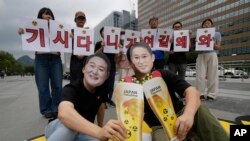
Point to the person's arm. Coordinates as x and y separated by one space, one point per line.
101 45
100 115
217 44
185 121
73 120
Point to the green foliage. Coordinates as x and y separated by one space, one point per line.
11 66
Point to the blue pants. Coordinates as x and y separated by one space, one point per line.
57 131
48 76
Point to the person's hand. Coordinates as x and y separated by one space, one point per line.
71 35
182 125
114 130
171 40
102 43
171 52
80 57
190 32
20 31
141 39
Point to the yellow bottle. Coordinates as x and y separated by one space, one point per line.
130 108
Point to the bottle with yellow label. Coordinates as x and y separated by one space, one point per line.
130 108
158 97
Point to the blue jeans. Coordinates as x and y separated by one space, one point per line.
57 131
48 76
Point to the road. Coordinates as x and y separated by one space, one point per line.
20 118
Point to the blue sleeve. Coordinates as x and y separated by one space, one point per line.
218 36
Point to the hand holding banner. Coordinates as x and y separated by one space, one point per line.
36 35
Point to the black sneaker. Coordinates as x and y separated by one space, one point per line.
48 115
202 97
112 103
209 98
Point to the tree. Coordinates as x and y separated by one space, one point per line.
9 64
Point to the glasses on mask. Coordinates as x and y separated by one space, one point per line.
81 18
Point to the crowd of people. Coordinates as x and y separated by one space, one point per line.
75 106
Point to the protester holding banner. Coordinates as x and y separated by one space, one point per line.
159 55
111 80
207 65
76 61
80 103
48 74
122 61
177 61
192 117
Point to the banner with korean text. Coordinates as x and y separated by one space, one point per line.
130 38
162 41
111 39
205 39
148 36
83 41
36 35
181 41
60 40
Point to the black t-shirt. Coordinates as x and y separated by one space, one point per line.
85 103
175 85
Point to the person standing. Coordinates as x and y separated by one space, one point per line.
80 103
111 80
76 61
177 61
48 74
159 55
207 64
122 61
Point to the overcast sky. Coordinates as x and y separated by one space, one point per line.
12 12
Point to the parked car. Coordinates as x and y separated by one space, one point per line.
232 73
190 72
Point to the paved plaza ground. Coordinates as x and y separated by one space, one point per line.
20 118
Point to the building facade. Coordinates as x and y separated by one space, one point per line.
231 18
122 19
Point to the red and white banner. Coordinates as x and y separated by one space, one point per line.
205 39
36 35
149 36
130 38
162 41
60 37
181 41
111 39
83 41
